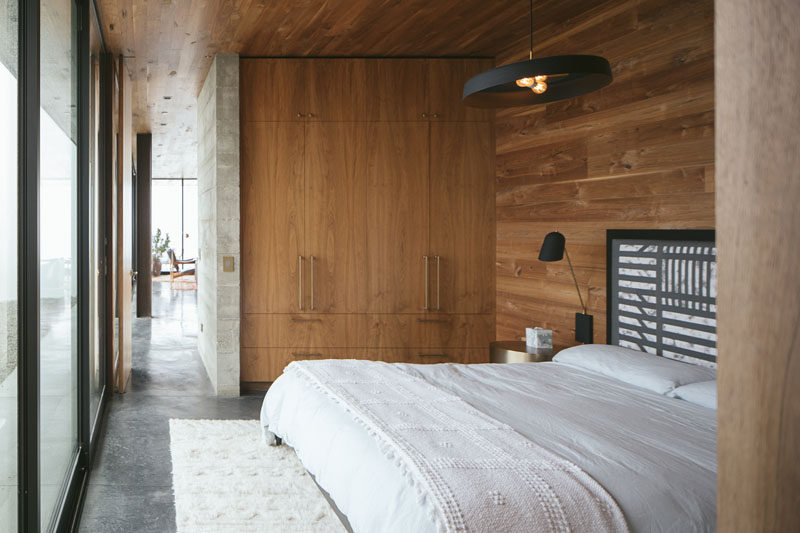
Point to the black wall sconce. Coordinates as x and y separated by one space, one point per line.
553 249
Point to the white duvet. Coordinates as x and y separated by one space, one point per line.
655 455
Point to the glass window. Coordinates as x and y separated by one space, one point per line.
8 270
57 251
174 208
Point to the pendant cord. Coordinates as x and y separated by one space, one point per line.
530 56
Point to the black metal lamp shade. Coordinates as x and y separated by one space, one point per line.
552 247
567 76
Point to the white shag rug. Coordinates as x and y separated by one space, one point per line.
225 479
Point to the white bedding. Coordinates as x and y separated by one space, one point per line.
655 455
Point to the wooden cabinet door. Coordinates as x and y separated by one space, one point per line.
397 90
445 87
272 209
397 216
337 90
336 171
462 217
273 89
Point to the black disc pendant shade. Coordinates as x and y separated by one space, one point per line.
567 76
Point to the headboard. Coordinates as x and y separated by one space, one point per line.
661 293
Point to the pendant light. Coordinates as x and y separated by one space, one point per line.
537 81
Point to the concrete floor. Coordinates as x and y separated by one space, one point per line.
130 486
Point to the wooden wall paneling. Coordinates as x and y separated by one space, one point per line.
444 88
397 218
124 234
462 216
336 178
758 231
272 229
636 154
273 89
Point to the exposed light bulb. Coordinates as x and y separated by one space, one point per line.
539 87
525 82
540 79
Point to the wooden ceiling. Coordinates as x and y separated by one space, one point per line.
170 44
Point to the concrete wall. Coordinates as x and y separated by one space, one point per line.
218 213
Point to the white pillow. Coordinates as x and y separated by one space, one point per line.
653 372
703 393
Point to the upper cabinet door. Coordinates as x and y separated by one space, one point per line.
397 216
462 217
273 89
397 90
445 87
272 211
335 204
337 90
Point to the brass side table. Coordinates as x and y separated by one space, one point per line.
517 352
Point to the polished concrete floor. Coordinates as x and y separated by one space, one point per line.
130 486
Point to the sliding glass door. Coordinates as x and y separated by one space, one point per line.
59 265
9 286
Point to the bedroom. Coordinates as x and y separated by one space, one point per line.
407 228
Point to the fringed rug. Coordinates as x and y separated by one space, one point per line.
225 479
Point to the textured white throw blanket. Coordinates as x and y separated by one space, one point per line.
476 473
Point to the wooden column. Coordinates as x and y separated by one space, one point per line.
758 238
144 283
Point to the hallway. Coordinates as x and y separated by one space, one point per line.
130 486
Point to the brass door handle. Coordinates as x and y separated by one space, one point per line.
300 115
438 283
306 354
312 282
425 259
296 319
300 282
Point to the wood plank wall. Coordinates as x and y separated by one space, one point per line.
637 154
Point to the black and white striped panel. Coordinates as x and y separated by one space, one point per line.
663 298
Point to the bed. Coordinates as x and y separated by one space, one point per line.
604 438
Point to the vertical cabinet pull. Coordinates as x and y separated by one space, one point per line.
312 282
300 282
438 282
425 259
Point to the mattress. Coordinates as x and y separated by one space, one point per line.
655 455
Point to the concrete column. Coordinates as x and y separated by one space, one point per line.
218 212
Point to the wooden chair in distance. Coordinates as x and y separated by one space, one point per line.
176 267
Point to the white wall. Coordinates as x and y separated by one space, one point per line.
218 214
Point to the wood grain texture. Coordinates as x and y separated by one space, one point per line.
335 211
267 364
171 45
462 217
758 231
397 217
124 240
273 216
636 154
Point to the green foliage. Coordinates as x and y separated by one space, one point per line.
160 246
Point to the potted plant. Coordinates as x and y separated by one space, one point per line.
160 246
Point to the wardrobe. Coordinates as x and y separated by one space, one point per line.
367 213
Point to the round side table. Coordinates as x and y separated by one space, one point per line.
517 352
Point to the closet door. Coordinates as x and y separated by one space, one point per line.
336 168
397 216
274 89
272 208
445 86
462 217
